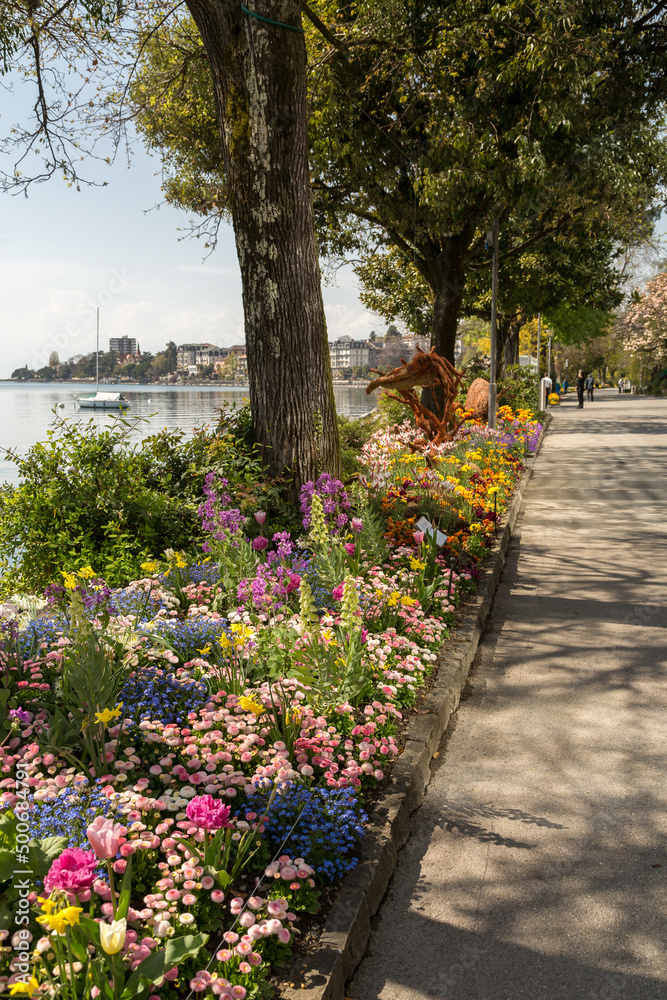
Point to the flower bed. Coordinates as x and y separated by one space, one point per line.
185 761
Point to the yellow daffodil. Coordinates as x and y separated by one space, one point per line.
60 920
26 988
69 580
87 573
392 600
112 936
248 705
107 714
151 566
46 904
205 651
416 564
407 601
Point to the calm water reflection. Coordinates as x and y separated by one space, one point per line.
26 411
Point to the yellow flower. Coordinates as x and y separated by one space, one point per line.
61 919
27 988
112 936
46 904
393 599
150 567
205 651
107 714
416 564
69 579
407 601
87 573
248 705
293 715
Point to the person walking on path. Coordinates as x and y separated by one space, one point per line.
581 381
590 385
620 386
565 385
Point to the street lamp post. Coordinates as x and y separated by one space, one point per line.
539 345
493 389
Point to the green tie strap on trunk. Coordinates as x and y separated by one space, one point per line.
268 20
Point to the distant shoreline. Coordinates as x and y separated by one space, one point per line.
231 384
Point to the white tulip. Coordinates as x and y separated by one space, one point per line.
112 936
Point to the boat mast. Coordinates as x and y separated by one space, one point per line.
97 354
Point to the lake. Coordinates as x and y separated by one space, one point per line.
26 410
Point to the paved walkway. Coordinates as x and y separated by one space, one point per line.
537 866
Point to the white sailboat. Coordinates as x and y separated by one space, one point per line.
102 400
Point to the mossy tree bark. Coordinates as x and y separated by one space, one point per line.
259 77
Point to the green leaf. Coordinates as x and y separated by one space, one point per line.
153 968
8 864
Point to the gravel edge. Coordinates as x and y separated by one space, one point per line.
348 927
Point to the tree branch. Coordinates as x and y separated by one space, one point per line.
642 22
321 27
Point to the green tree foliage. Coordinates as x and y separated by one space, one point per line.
576 325
429 120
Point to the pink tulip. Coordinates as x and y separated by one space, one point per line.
418 537
73 871
208 813
260 516
104 836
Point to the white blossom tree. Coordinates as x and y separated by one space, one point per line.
645 323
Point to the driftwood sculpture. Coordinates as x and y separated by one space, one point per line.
433 372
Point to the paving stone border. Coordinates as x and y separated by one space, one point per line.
348 927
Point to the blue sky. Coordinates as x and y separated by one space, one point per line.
63 252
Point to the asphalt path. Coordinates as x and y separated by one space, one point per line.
537 864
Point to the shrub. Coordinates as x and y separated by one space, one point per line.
90 496
353 436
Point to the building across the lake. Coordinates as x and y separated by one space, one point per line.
199 354
348 353
123 345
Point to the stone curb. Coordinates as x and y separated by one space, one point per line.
348 927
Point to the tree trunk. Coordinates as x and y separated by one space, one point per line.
510 347
446 277
447 281
259 77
